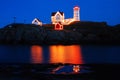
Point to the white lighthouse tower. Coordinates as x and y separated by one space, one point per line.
76 15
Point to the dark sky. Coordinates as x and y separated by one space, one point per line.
91 10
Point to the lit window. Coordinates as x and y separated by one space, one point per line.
57 17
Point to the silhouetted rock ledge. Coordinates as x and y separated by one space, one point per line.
76 33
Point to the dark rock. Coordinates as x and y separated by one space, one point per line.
77 32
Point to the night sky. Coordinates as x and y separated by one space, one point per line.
91 10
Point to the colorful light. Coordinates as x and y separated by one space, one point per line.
37 54
58 26
66 54
76 68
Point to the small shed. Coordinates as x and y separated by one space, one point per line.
58 26
36 21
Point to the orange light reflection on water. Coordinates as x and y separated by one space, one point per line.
37 54
66 54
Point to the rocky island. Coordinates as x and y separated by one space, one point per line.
75 33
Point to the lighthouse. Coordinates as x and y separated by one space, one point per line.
76 13
59 17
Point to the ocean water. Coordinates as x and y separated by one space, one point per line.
75 54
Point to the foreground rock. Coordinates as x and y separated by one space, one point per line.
81 32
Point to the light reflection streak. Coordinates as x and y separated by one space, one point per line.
37 54
66 54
